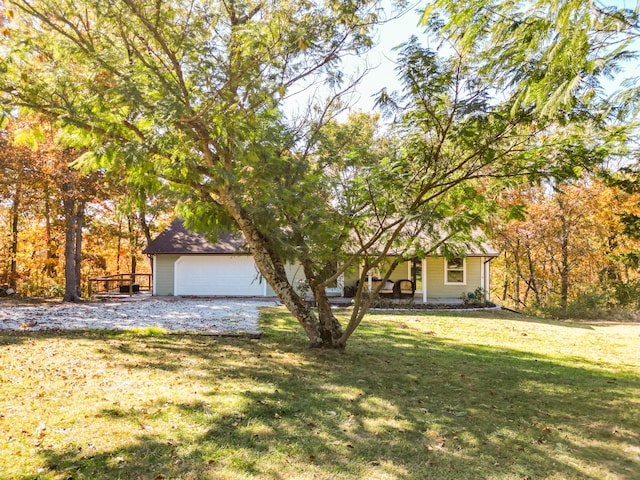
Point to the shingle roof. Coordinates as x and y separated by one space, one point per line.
176 239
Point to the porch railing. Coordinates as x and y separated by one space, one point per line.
120 284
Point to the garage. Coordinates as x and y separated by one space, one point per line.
218 275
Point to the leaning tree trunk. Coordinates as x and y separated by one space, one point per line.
272 269
329 326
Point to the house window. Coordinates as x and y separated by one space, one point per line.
455 271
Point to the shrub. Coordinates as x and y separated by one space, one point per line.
477 297
627 294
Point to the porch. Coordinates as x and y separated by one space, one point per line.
432 280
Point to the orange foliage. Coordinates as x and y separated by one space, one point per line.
569 245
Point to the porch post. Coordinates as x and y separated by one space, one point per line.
487 276
153 276
424 280
482 274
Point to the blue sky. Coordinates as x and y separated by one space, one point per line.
398 31
381 59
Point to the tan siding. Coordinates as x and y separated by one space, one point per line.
164 274
400 273
435 278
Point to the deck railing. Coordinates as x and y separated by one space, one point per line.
120 284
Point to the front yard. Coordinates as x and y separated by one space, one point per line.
416 396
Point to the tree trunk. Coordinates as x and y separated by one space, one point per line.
272 269
119 252
516 263
78 247
133 246
329 327
147 233
564 269
532 277
15 210
70 270
51 260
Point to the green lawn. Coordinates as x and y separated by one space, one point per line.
416 396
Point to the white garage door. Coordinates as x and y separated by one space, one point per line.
228 275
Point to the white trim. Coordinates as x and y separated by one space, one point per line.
487 277
464 272
424 280
154 274
262 279
482 272
175 275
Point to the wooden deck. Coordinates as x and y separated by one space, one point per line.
120 285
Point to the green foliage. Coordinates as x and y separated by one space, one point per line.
41 286
586 305
477 297
627 294
546 54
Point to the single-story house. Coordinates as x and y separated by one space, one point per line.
187 264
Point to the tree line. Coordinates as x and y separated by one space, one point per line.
60 224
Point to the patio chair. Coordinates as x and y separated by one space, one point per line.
403 289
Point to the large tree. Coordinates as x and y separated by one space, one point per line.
193 96
189 93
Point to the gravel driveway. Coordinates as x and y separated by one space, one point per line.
210 316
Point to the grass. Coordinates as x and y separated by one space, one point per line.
416 396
